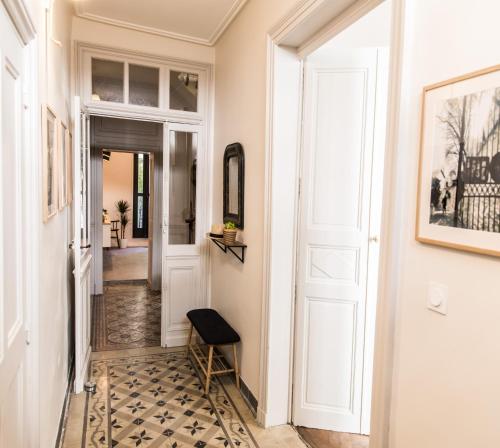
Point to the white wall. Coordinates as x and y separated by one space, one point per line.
240 115
55 271
447 368
113 36
117 184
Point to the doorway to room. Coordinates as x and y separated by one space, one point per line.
125 200
126 156
343 145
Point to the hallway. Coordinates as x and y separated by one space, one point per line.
153 397
286 165
126 316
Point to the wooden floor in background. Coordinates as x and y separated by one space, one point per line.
318 438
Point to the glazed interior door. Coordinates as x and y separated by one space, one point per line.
182 235
82 255
13 324
334 240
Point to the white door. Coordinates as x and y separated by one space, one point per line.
82 255
183 238
334 240
13 312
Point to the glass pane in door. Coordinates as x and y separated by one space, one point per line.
182 188
143 85
183 91
107 80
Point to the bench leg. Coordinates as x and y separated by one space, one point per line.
189 341
209 368
236 368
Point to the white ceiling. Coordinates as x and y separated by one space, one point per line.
199 21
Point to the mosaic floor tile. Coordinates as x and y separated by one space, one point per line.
126 316
157 400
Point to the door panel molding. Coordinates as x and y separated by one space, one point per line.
330 308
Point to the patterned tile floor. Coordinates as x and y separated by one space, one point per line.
126 316
152 397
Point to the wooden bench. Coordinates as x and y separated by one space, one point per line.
214 331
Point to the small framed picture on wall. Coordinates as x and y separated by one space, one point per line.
69 168
49 163
62 162
459 174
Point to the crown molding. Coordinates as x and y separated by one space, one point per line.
21 18
226 21
219 30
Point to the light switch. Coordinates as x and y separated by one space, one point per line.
437 297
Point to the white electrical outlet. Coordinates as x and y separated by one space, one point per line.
437 297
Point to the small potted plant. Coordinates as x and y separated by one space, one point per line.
123 208
229 233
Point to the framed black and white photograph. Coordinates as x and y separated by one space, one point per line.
49 163
459 175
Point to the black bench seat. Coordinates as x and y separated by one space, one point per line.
214 331
212 328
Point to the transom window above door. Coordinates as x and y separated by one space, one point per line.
131 82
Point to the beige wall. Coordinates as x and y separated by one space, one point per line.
118 183
240 115
446 374
55 268
447 369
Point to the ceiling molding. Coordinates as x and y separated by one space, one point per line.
21 18
219 30
226 21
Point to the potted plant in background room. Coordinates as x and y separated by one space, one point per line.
123 208
229 234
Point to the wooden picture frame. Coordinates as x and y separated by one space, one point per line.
62 161
458 202
69 169
50 195
234 185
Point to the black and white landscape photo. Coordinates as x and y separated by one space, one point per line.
465 184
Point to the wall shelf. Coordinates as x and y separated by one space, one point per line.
237 249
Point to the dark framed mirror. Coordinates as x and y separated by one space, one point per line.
234 184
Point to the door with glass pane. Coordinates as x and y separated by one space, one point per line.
82 256
182 235
141 196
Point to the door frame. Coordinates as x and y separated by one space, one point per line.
205 192
283 113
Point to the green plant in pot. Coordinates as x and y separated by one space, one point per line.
230 231
123 208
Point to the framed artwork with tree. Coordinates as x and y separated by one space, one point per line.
458 203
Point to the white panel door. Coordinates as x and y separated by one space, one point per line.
334 240
183 239
13 372
82 256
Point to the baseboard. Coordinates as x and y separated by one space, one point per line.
64 411
250 399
